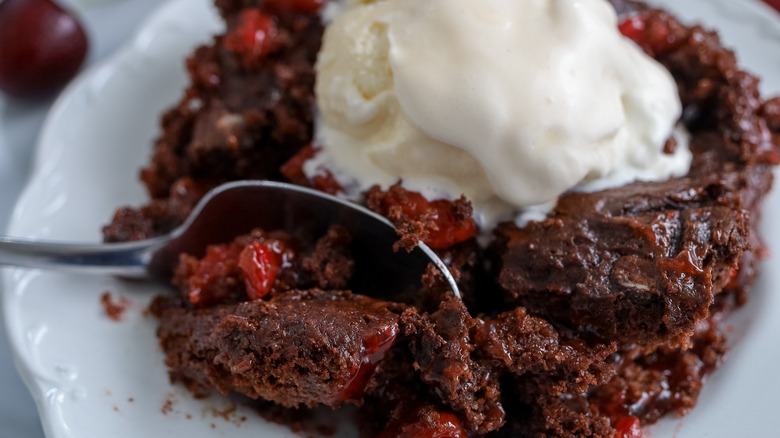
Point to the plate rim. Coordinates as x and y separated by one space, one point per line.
11 277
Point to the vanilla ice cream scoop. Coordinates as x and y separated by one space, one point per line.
508 102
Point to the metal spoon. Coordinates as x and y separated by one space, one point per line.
230 210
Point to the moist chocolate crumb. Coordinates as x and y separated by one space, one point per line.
114 308
167 407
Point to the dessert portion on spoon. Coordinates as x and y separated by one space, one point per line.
233 209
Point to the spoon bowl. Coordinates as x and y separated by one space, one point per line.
236 208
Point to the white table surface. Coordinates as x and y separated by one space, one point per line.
109 23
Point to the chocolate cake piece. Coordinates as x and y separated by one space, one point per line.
553 417
648 386
642 389
642 263
464 359
442 349
645 272
299 348
518 344
160 215
236 120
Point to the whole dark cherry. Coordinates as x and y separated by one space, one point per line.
774 3
42 47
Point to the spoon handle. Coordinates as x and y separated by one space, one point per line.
124 259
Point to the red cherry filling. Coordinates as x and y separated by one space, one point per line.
253 260
253 38
628 427
260 266
374 350
293 171
446 425
650 31
306 6
633 27
204 285
442 224
733 282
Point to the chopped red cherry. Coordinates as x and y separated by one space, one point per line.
628 427
449 230
443 227
306 6
219 263
447 426
260 266
248 267
293 171
293 168
374 350
253 38
42 47
652 31
327 183
633 27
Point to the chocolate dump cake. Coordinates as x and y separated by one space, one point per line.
600 316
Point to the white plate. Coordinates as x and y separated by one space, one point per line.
92 377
